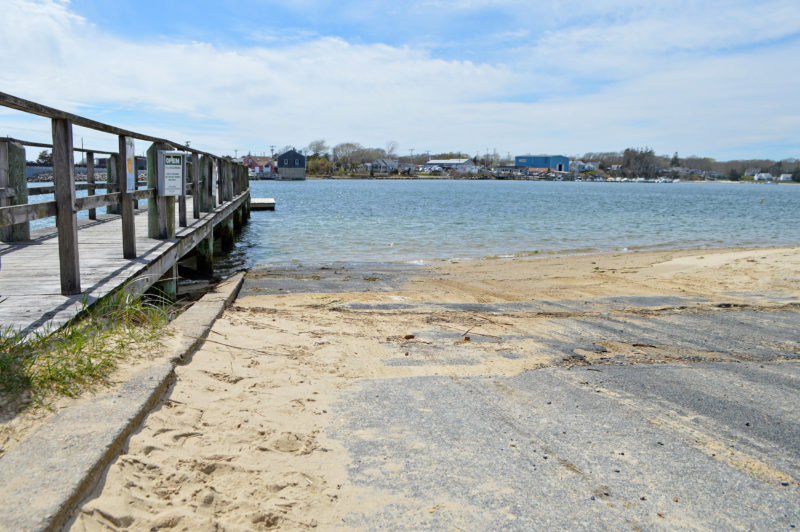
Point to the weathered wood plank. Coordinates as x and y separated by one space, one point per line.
93 202
18 214
20 104
66 216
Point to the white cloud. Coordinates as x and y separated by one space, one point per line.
645 79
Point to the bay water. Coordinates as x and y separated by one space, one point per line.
421 221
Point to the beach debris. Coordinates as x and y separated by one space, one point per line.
408 337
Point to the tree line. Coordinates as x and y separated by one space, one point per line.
644 162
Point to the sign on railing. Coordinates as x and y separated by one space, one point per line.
130 165
171 173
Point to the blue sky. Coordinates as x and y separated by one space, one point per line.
715 78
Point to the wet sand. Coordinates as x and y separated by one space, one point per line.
349 397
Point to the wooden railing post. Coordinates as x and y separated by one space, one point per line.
232 168
13 188
224 176
66 216
195 168
90 179
161 210
182 198
205 179
112 180
126 199
213 183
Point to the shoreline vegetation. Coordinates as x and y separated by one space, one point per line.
43 371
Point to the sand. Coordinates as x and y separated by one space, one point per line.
242 439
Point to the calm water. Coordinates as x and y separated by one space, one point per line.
421 221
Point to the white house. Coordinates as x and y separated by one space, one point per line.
763 176
458 165
785 177
580 166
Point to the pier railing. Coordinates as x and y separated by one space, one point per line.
211 179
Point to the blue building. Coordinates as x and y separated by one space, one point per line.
558 163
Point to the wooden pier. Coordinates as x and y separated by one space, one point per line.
49 275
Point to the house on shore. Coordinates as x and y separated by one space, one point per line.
763 176
785 177
292 166
455 165
383 166
580 166
259 167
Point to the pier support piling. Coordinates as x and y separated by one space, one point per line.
204 253
168 284
226 234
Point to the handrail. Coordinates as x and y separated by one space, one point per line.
27 106
231 180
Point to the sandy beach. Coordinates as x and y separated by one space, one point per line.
257 432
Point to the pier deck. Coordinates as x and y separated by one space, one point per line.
30 293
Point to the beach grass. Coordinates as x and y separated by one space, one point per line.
82 353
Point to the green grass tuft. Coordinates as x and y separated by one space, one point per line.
85 351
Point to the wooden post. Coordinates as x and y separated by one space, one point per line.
112 179
223 171
168 284
233 169
237 220
226 234
13 188
204 253
161 210
66 216
208 163
126 206
90 179
182 197
196 173
229 169
213 189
